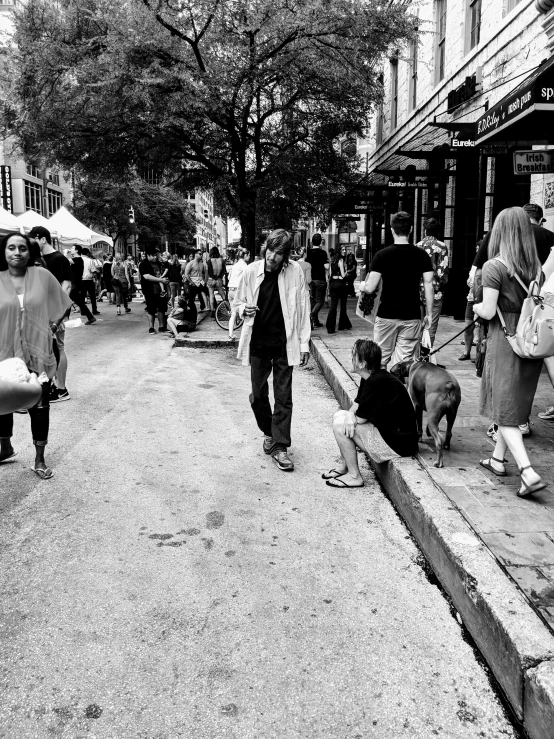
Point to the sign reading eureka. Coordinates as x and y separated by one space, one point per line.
469 87
534 93
537 161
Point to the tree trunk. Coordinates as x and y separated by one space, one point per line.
247 218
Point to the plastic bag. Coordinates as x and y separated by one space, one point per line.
426 346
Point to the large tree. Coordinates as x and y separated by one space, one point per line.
246 96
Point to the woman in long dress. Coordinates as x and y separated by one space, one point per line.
509 382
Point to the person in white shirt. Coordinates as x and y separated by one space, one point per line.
235 273
88 285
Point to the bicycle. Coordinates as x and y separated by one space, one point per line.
223 316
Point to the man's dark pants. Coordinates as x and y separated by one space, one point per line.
78 298
318 288
276 424
88 287
195 290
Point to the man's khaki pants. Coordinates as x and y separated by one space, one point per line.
398 337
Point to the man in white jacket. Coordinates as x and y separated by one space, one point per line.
274 302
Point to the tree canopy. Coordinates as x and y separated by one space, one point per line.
246 96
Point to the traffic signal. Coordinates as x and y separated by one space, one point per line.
131 214
206 213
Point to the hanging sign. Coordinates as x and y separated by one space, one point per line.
536 161
6 188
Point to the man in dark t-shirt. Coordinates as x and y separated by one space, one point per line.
60 267
153 289
383 401
318 286
400 268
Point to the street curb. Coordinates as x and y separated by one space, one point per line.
193 340
517 646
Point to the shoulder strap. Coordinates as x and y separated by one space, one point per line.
527 288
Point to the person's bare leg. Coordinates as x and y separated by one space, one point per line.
499 453
61 372
348 452
172 326
514 440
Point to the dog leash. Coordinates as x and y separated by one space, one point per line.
465 328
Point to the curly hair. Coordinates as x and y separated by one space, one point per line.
4 243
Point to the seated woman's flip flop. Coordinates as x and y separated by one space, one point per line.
9 458
331 474
43 474
338 482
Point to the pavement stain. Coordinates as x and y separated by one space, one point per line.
189 532
208 543
215 520
162 537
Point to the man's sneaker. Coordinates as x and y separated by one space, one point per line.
525 429
548 414
151 330
90 322
58 396
282 460
268 444
491 431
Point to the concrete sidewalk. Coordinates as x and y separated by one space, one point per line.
492 551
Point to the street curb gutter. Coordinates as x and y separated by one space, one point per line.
515 643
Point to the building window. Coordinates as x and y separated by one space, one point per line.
412 92
8 2
394 93
32 170
33 197
474 23
54 178
152 176
440 52
55 201
510 5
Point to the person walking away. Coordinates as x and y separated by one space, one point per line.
120 281
56 263
237 270
509 382
174 277
383 401
306 267
351 272
88 286
183 317
438 253
338 293
317 258
195 277
133 272
32 306
216 273
273 300
76 294
107 278
401 267
153 285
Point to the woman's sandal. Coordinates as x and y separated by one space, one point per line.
529 489
331 475
46 474
486 463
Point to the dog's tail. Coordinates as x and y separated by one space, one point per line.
450 389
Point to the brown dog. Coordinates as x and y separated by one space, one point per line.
435 390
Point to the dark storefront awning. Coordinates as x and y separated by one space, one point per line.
524 114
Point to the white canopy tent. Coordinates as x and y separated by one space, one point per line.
30 219
71 231
8 222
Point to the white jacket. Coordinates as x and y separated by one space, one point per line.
235 273
295 304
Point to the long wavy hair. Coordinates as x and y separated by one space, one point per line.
512 240
337 256
4 243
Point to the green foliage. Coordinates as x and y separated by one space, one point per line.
246 96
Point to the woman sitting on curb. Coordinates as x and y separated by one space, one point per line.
382 412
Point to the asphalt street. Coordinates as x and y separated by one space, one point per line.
171 582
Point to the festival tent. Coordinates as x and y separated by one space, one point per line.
8 222
31 218
71 231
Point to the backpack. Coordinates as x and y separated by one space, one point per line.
534 336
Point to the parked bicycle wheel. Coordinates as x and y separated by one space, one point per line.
223 316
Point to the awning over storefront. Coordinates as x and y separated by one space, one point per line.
525 113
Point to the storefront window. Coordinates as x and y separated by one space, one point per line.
33 197
440 55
